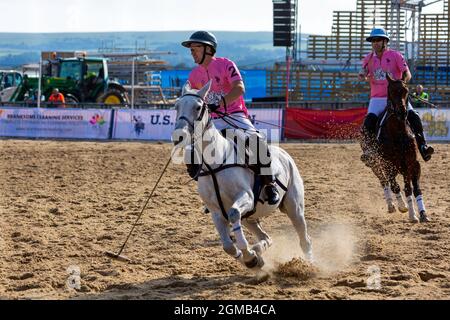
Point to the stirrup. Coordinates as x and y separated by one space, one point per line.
273 197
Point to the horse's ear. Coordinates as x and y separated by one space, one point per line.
204 91
186 88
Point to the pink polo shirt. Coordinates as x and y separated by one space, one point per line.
392 62
223 73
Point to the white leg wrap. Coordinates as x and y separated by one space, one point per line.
412 212
420 204
389 201
401 202
387 194
241 242
410 200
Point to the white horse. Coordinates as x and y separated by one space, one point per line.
227 189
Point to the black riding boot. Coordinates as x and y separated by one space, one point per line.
416 126
268 180
368 143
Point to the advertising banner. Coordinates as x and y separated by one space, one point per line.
269 122
143 124
159 124
436 124
55 123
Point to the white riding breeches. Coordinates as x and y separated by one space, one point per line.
238 119
242 127
377 105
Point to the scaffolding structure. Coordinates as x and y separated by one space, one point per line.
433 58
330 70
120 64
139 71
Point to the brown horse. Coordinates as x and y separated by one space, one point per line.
395 147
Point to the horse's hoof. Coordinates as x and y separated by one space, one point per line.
423 217
256 262
413 219
391 208
261 246
261 262
252 263
258 248
403 209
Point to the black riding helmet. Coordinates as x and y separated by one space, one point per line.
204 37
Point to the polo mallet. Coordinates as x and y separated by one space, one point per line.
118 255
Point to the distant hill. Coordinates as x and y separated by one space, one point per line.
247 49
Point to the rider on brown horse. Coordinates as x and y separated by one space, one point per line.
376 65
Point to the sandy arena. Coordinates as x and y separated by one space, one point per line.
63 204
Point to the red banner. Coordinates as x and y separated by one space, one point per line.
323 124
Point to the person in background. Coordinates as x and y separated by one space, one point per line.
419 95
56 99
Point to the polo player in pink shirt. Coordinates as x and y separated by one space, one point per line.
226 97
375 66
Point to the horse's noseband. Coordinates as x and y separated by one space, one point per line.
200 117
202 113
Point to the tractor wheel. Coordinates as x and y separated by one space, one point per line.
113 96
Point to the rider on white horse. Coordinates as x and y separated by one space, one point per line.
225 100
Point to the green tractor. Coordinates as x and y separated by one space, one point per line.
79 79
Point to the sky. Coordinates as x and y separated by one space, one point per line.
164 15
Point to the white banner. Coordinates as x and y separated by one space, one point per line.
55 123
268 121
144 124
436 123
159 124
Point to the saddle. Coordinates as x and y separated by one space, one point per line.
383 139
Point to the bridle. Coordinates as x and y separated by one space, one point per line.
399 110
201 115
